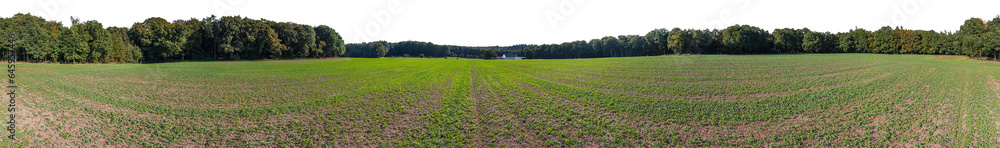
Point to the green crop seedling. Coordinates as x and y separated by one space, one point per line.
513 73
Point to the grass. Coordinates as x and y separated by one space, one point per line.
840 100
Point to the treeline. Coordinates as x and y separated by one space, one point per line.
158 40
424 49
975 38
236 38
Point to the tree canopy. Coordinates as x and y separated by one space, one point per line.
236 38
158 40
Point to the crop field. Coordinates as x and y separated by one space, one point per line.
853 100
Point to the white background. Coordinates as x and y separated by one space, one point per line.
508 22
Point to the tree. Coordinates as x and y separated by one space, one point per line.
816 42
122 50
159 39
378 48
93 33
745 39
329 41
909 41
789 40
855 40
969 35
701 40
193 46
307 46
610 45
237 38
657 41
490 54
992 37
637 44
37 38
529 53
74 47
679 41
881 40
597 48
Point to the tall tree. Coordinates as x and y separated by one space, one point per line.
73 45
881 40
701 40
490 54
658 41
970 36
745 39
193 39
329 41
788 40
237 38
36 37
98 39
816 42
991 36
122 50
637 44
679 41
379 48
159 39
611 45
856 40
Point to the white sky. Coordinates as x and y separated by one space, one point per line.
508 22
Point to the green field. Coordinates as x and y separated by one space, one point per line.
689 100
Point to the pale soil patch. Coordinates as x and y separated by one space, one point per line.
305 119
62 127
412 121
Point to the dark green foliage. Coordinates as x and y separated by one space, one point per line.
701 40
157 40
295 40
789 40
636 44
194 44
375 49
610 44
971 36
881 40
656 41
853 41
816 42
417 48
73 46
36 38
160 40
122 50
238 38
235 38
679 41
329 41
490 54
745 39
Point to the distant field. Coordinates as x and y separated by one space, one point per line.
702 100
